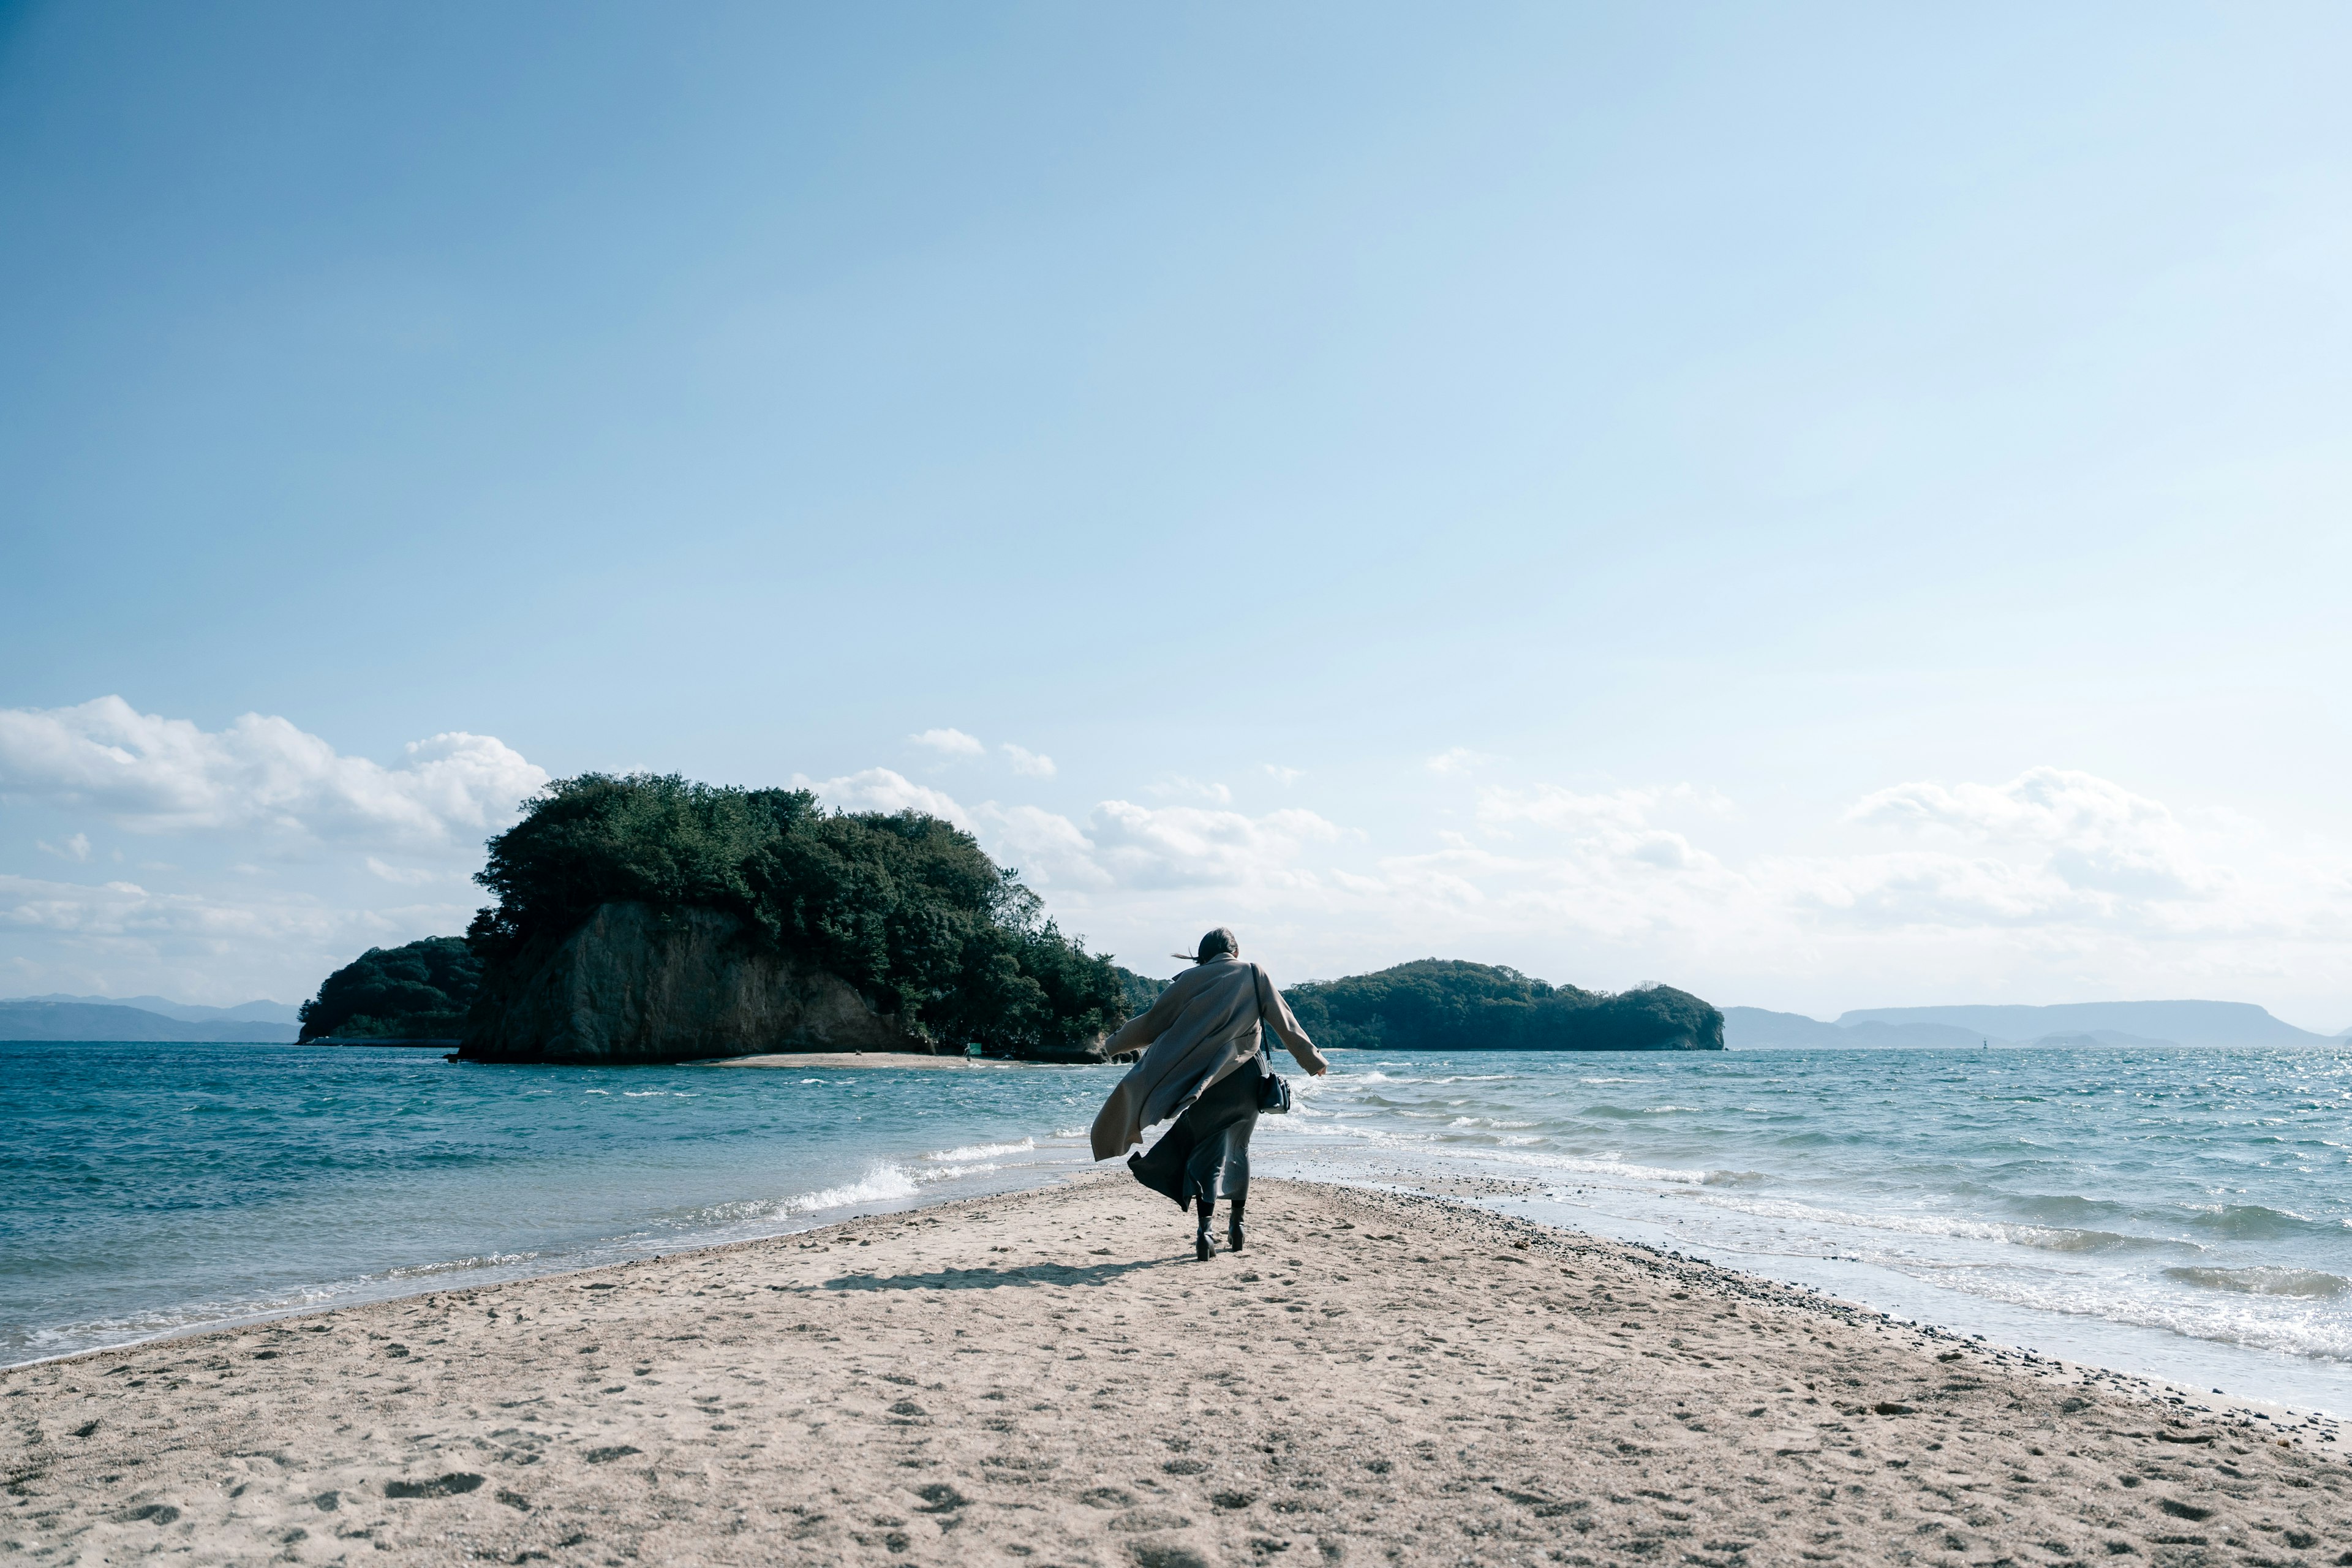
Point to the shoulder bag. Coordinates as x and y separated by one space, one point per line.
1273 1089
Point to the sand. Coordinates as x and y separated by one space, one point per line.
1049 1378
806 1059
857 1059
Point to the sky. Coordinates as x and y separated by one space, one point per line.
1826 507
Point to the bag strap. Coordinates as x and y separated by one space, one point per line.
1259 979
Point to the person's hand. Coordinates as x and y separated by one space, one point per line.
1318 1072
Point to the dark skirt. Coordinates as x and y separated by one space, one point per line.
1206 1153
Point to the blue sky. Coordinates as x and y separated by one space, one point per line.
1828 507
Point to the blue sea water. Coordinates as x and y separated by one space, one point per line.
158 1187
2185 1214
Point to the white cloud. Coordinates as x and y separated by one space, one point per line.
74 848
1048 849
1185 846
406 876
2072 830
950 742
1180 787
2055 885
1282 775
1029 765
121 937
1457 760
880 789
2052 873
153 774
1615 826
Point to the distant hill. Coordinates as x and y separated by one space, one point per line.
417 990
186 1012
1449 1004
31 1019
2189 1023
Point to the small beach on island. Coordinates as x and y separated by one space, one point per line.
1043 1378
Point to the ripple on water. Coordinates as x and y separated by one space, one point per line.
2304 1284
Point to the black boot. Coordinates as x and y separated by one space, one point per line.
1233 1225
1201 1247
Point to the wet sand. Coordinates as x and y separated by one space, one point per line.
1049 1378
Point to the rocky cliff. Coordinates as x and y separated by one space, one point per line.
634 985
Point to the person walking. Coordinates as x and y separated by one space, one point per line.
1204 1059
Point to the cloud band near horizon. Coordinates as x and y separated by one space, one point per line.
2054 885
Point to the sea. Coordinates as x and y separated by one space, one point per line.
2173 1213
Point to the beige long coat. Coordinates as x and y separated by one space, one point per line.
1204 1026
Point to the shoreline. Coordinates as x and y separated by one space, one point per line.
1380 1375
915 1060
1473 1196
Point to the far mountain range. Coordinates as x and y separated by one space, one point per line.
59 1016
2070 1023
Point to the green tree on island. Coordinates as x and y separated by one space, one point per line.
905 907
419 991
1446 1005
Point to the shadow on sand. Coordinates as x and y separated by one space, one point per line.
992 1278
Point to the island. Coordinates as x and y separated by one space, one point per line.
416 994
647 918
1449 1004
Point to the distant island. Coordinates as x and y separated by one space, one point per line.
421 991
1448 1004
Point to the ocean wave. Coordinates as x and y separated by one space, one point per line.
2060 1209
2307 1284
950 1172
2256 1321
2042 1238
984 1151
2252 1222
2065 1238
887 1184
460 1265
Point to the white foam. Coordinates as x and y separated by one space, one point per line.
885 1184
984 1151
950 1172
2310 1284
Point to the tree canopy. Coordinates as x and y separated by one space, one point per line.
420 991
1141 990
1447 1004
904 905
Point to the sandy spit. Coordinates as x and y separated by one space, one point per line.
1049 1378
